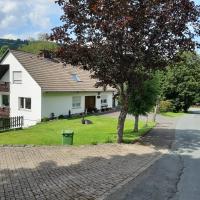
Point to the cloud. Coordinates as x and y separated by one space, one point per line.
10 36
26 17
24 36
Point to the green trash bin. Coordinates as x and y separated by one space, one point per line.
67 137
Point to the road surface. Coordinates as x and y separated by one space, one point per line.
176 176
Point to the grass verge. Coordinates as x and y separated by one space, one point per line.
172 114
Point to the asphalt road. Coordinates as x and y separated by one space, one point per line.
176 176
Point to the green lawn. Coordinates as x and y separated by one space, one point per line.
102 130
172 114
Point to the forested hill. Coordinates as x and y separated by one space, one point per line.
27 46
12 44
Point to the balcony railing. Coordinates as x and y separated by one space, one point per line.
4 87
4 112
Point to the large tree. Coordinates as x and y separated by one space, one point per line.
181 82
116 39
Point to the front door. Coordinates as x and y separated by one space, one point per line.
90 102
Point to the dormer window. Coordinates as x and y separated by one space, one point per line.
76 78
17 77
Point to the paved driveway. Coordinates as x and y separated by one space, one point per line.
56 173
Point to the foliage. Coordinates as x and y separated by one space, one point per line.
36 46
182 81
49 133
143 99
107 38
45 119
12 44
166 106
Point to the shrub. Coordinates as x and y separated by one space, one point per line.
45 119
166 106
61 117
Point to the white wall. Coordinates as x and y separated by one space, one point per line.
29 89
60 103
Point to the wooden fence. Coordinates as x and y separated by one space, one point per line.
11 123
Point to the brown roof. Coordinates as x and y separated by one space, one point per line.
54 76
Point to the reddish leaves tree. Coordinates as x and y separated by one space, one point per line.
117 39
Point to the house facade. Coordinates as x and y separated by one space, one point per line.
36 87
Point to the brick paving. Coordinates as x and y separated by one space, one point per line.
83 173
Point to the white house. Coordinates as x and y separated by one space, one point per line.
35 87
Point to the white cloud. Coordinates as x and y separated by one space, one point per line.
8 20
20 36
26 17
10 36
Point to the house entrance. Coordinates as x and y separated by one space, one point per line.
90 103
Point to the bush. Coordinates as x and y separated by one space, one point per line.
45 119
61 117
166 106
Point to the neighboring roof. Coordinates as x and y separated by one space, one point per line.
54 76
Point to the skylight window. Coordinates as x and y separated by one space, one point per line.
76 78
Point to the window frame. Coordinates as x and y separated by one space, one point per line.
17 81
23 100
104 98
2 98
75 104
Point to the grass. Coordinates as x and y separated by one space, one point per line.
103 130
172 114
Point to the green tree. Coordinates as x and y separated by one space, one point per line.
143 99
182 81
36 46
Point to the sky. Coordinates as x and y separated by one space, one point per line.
25 19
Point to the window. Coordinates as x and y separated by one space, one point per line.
17 77
104 100
76 78
28 103
76 102
5 100
25 103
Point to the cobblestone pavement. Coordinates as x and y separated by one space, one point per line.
88 172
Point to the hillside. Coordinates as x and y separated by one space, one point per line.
27 46
36 46
12 44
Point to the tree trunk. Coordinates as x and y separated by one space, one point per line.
124 110
136 124
120 127
156 109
